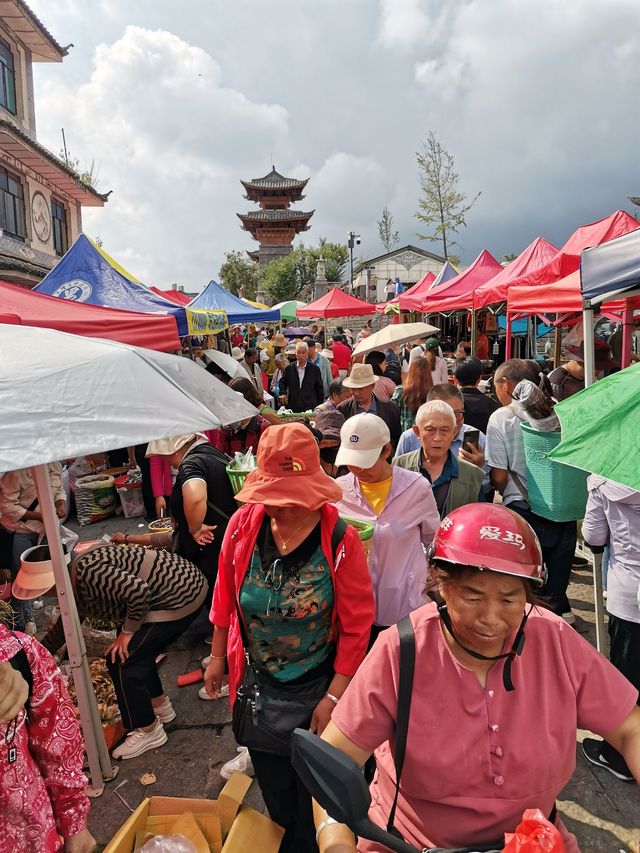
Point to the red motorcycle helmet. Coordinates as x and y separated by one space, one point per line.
489 537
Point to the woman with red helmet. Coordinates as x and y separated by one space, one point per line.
500 687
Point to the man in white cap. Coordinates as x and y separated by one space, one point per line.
361 382
321 362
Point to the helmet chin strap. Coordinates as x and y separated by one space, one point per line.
516 649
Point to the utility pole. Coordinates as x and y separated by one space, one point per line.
354 240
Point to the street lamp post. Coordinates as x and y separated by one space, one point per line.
354 240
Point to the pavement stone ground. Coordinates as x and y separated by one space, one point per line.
602 811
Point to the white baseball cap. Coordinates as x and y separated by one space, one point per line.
362 437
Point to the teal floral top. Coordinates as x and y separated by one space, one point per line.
287 604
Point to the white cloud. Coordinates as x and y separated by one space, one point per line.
536 102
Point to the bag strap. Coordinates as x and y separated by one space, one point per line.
405 689
20 662
217 510
520 485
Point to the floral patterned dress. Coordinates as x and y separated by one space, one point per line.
42 786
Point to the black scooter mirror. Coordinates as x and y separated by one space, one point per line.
332 778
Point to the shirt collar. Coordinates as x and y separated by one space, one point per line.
373 408
450 471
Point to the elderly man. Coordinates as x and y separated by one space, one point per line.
337 394
361 382
508 471
301 387
455 482
323 364
250 362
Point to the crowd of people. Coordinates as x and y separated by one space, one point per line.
435 466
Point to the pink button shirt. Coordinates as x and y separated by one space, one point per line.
478 757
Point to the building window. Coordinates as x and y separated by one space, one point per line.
7 78
12 218
59 216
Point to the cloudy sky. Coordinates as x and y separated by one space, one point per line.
177 100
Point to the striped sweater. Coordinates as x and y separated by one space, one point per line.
133 585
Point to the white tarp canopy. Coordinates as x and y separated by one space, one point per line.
62 396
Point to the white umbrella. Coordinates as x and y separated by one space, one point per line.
395 333
63 395
226 362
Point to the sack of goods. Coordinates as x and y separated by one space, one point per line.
95 498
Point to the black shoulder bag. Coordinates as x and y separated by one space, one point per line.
266 711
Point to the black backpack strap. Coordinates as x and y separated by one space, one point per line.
405 689
337 535
20 662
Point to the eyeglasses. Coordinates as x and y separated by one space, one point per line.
458 412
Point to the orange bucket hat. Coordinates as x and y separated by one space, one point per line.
288 471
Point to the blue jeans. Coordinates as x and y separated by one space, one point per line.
22 609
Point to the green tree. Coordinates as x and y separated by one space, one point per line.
388 237
239 274
293 276
506 259
441 207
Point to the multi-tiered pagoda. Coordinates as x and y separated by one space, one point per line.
274 226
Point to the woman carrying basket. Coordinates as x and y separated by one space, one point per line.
293 593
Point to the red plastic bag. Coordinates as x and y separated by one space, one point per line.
535 834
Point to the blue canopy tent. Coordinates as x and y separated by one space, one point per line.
87 274
216 298
608 272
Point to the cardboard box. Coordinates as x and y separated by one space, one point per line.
227 827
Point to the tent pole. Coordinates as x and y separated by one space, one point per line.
598 598
100 767
557 345
507 347
474 333
588 344
627 331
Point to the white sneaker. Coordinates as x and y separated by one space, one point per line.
204 663
224 691
38 604
165 712
138 742
241 763
31 628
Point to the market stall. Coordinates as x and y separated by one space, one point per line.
63 396
156 332
216 298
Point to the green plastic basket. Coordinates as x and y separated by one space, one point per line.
365 532
556 491
237 476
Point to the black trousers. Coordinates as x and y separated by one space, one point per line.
624 639
136 681
287 800
558 543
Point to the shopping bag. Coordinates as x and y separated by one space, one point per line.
535 834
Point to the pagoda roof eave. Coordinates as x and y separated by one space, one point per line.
258 217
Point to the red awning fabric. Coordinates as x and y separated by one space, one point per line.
481 270
176 296
51 312
336 303
560 297
537 254
567 260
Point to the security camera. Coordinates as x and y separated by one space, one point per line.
357 241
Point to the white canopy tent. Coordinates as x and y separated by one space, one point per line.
62 396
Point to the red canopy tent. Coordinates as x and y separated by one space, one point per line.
481 270
336 303
567 260
151 331
561 297
176 296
